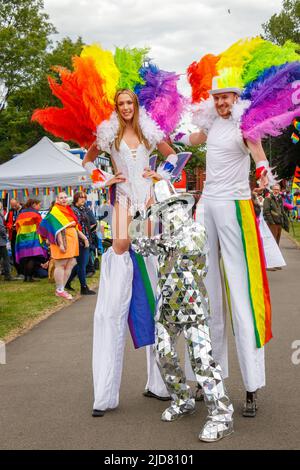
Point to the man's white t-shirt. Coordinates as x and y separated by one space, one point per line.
227 162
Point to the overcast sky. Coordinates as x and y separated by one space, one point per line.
178 31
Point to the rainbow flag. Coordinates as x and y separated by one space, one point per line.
15 193
28 241
143 304
36 191
257 277
59 218
25 192
46 191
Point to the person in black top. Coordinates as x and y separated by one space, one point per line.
78 207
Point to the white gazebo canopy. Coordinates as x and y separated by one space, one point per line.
43 165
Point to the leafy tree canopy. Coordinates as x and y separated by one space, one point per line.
24 37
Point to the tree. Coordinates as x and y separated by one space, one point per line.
283 154
24 39
284 25
17 132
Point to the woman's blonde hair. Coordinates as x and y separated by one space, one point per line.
135 121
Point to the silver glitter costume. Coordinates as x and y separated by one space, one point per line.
183 307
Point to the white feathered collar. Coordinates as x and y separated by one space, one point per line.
107 130
204 113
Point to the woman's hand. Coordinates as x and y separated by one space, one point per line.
118 178
62 248
91 154
86 243
148 173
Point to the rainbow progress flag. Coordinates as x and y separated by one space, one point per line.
59 218
28 241
143 303
257 277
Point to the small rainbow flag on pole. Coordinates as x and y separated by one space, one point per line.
46 191
36 191
15 193
25 192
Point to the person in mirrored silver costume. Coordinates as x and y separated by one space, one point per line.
182 307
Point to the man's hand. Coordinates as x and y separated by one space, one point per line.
148 173
263 180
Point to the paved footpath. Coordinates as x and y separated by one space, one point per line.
46 387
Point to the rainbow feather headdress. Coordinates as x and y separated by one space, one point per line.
87 93
269 76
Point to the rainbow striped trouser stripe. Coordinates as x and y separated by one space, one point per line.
233 235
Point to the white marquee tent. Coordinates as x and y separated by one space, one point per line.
45 165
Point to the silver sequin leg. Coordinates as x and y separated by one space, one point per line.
174 378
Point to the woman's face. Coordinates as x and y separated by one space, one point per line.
81 201
125 106
62 199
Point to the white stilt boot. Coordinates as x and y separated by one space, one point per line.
110 327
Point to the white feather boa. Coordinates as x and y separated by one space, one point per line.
204 114
107 130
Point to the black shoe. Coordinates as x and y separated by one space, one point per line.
86 291
149 394
69 287
98 413
250 406
31 279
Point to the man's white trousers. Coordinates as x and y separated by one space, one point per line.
225 239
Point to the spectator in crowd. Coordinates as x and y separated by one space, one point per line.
29 247
15 208
90 269
61 228
296 202
3 250
274 213
84 220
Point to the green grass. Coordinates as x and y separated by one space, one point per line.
23 302
295 230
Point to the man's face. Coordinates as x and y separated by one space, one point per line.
224 102
14 204
276 190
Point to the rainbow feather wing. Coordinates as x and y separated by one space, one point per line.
87 93
200 75
275 101
87 96
60 122
267 55
129 63
160 97
106 68
72 122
